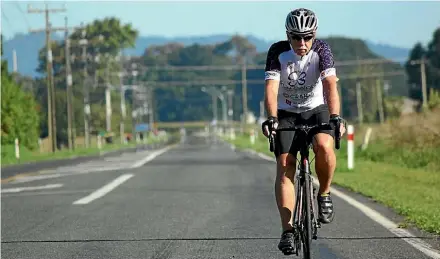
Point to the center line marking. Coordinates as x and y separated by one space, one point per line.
104 190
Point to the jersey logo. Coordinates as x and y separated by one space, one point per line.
293 78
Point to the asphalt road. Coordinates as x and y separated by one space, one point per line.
195 200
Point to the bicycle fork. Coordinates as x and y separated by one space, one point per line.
313 209
298 210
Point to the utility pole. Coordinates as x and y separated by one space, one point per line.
244 88
215 108
422 63
122 98
86 91
230 109
262 109
14 61
134 101
379 101
69 93
359 103
108 113
230 112
151 106
51 121
423 75
14 66
134 114
123 110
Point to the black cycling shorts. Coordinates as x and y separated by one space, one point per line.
285 140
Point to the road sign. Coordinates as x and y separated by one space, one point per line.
142 127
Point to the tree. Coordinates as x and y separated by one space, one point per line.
433 56
432 66
19 113
116 36
106 38
413 71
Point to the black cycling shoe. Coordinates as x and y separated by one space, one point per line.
326 213
287 243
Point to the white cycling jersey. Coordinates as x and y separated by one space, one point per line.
300 77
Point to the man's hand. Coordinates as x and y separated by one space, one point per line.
270 125
334 119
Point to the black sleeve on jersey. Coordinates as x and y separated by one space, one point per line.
272 61
273 66
325 56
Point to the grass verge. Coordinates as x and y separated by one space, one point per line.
411 192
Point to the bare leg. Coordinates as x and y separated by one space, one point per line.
284 189
325 160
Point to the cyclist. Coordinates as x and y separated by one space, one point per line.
301 89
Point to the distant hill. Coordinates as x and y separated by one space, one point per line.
27 46
144 42
388 51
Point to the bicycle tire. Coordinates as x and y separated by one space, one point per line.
307 221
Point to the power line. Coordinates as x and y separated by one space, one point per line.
255 67
23 13
234 82
6 18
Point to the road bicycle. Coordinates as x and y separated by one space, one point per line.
305 219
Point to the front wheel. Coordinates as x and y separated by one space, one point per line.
307 222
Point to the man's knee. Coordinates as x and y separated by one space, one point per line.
323 143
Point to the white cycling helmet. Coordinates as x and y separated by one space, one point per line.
301 21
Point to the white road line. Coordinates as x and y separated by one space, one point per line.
34 178
104 190
150 157
380 219
388 224
32 188
34 194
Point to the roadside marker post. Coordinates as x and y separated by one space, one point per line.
350 147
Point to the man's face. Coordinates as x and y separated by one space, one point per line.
301 44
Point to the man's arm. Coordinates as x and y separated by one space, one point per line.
328 77
331 94
271 97
272 77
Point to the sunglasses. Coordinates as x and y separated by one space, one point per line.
299 37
